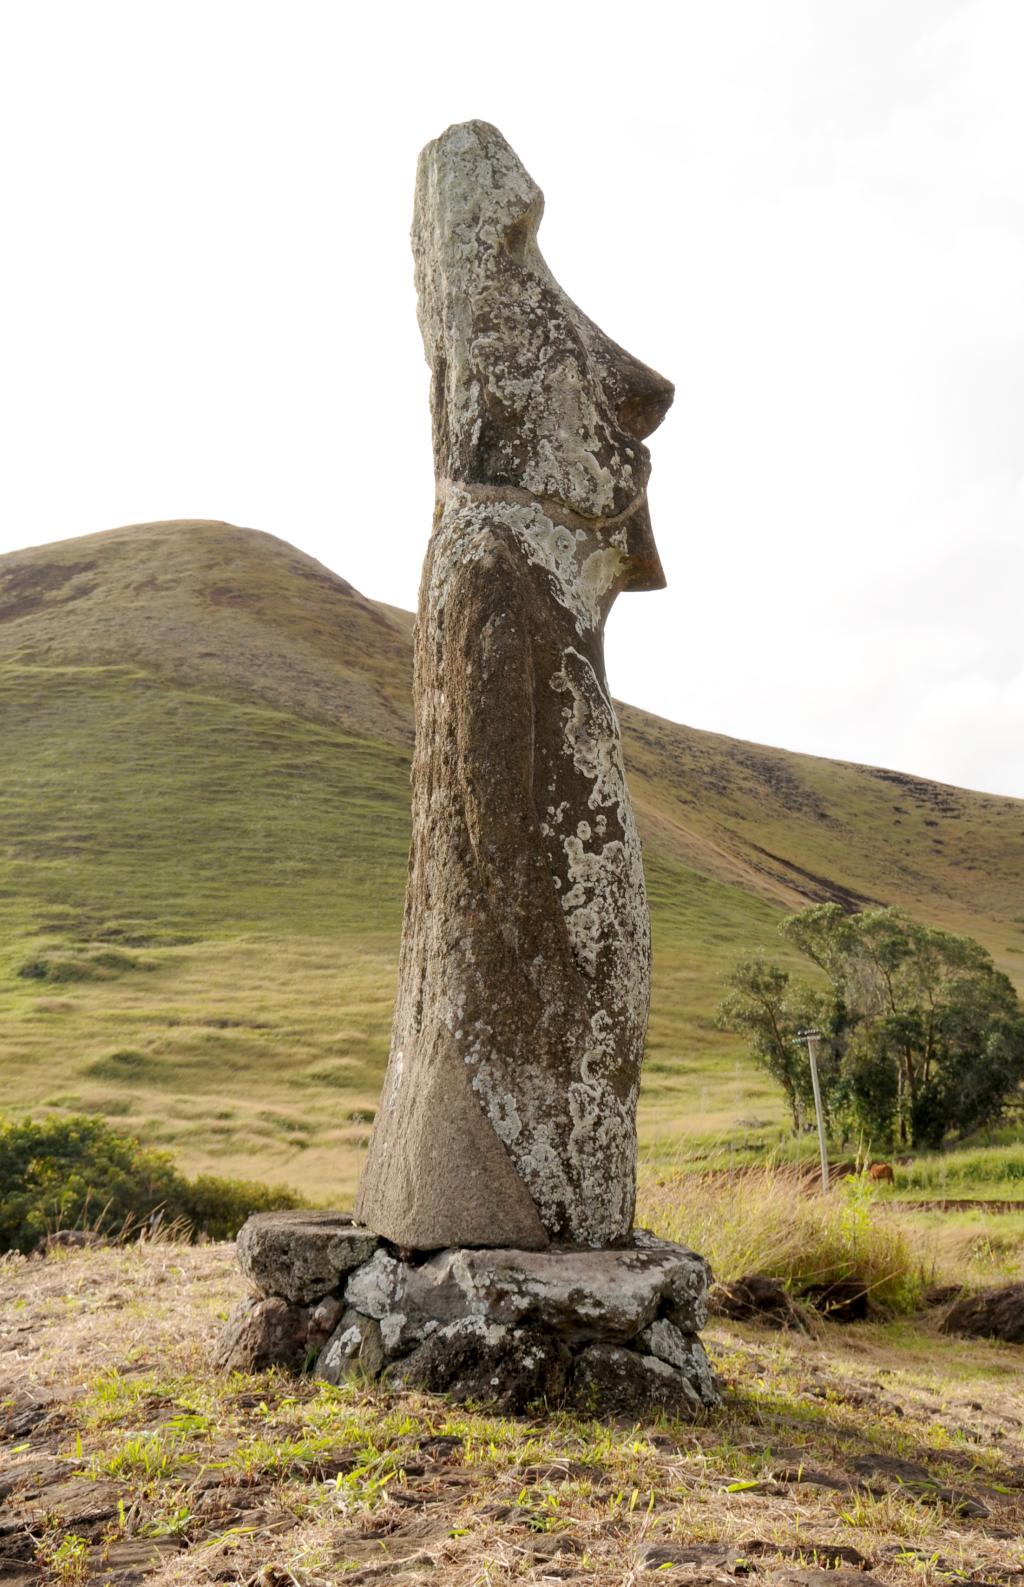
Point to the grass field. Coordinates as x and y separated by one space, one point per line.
204 817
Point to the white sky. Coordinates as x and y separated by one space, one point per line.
808 213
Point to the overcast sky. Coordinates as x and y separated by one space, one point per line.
809 215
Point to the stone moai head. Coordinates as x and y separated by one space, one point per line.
527 394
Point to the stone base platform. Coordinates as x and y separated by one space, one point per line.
610 1332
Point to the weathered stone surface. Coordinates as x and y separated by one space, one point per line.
263 1333
826 1556
581 1295
610 1381
711 1556
512 1328
301 1256
354 1349
374 1288
324 1318
995 1314
682 1350
881 1474
813 1577
689 1282
473 1359
508 1114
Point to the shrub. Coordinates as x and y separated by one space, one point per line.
218 1207
78 1172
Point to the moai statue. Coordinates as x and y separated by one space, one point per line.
508 1113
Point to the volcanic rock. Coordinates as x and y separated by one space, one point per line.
508 1112
268 1332
512 1369
301 1255
610 1381
993 1314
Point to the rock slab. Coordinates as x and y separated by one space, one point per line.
583 1295
259 1333
301 1256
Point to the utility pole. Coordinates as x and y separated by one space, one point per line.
812 1038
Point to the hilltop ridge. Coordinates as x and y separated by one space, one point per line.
216 607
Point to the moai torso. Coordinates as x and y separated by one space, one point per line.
508 1113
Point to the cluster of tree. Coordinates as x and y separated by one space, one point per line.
920 1034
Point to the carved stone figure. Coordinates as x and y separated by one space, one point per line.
508 1113
505 1142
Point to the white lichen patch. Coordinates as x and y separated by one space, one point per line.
584 569
585 565
393 1330
372 1287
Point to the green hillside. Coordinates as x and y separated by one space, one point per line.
204 818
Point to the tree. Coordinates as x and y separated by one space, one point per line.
758 1004
921 1034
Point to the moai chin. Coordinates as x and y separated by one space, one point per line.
508 1112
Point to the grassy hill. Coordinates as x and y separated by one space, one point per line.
204 818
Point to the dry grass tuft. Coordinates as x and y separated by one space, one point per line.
765 1219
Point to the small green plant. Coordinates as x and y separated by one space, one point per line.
170 1523
366 1485
150 1456
67 1562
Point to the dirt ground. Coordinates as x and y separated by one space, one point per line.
883 1451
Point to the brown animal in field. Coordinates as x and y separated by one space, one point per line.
880 1171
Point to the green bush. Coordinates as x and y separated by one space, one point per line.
76 1172
218 1207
